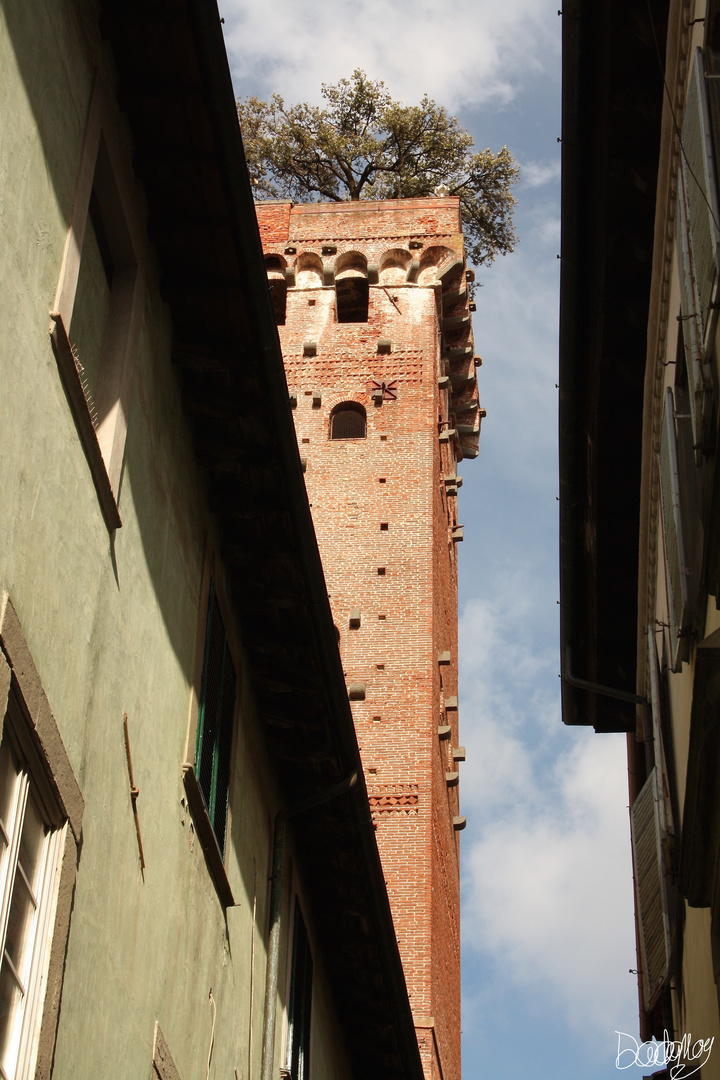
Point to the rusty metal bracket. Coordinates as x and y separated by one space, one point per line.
133 792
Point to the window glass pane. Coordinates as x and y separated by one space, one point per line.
10 1015
21 921
21 936
8 783
32 843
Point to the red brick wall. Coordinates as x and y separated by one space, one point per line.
274 221
395 477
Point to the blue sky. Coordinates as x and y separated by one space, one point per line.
547 897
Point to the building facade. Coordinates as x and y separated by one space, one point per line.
640 505
374 317
190 882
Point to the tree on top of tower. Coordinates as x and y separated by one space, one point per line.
362 144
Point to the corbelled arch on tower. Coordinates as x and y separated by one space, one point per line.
308 271
430 262
393 266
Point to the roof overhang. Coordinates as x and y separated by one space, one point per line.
612 104
175 87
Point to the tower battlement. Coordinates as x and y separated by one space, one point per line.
373 312
346 251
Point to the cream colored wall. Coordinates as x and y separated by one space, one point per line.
695 1007
111 623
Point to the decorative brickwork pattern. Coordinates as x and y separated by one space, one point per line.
385 513
393 798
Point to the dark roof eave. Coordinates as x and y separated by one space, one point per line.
607 216
319 637
212 60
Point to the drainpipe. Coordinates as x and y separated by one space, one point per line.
276 895
604 691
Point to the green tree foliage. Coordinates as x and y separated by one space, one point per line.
362 144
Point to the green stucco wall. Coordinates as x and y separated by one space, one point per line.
111 621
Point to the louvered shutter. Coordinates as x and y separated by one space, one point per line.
697 238
698 372
654 681
676 567
667 828
650 892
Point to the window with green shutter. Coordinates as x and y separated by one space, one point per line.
215 721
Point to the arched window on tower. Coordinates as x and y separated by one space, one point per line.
351 288
348 421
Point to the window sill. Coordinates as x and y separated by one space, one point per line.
206 835
83 423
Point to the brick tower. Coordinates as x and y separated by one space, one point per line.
372 305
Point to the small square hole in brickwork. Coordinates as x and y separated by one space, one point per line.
312 303
372 770
383 438
382 480
380 667
377 719
308 393
384 526
381 571
306 440
382 618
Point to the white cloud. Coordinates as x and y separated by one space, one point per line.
476 51
547 876
535 174
508 693
515 330
548 888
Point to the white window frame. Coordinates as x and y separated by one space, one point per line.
39 748
31 978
